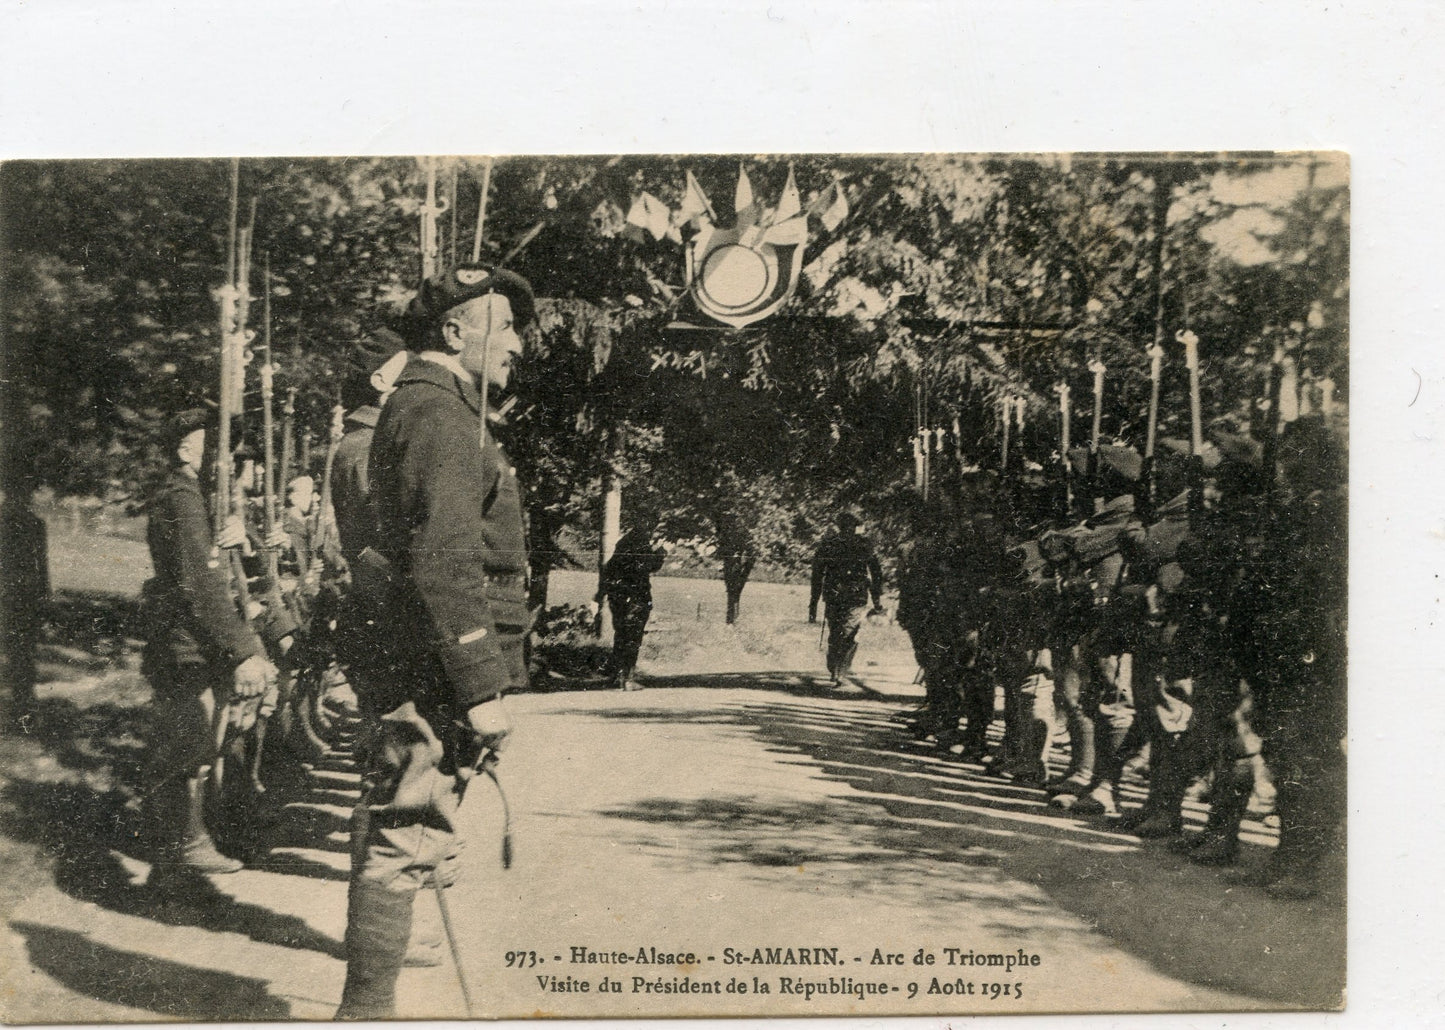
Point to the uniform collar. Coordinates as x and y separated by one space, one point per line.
420 370
366 415
178 479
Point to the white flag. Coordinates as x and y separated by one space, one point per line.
832 216
789 204
695 205
647 212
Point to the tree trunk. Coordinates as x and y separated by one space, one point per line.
607 544
537 593
735 576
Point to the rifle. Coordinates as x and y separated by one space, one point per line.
1272 428
1006 409
1065 429
321 524
1148 494
288 437
1097 367
234 303
482 211
268 516
430 245
1196 425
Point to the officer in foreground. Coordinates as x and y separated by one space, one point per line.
845 574
445 573
200 656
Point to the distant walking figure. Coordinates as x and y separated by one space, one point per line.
627 586
845 574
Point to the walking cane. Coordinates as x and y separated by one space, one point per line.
486 763
452 944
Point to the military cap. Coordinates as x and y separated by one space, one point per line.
1237 448
1210 455
848 519
456 286
1124 462
183 424
372 354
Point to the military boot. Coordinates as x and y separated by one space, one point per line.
378 926
184 849
977 713
1219 843
1103 799
1080 772
1167 784
198 851
1033 769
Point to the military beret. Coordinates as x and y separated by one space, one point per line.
1210 455
456 286
1238 448
183 424
380 345
358 387
1124 462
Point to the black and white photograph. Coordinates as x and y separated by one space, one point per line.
445 587
773 513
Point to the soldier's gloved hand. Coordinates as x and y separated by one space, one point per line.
253 676
489 722
233 532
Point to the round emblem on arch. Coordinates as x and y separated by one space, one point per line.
734 277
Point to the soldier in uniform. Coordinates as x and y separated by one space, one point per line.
446 570
200 656
1291 636
350 480
925 576
845 574
626 584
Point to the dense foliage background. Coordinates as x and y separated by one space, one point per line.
953 281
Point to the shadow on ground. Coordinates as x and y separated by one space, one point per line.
147 983
903 819
67 776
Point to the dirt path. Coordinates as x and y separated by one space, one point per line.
753 812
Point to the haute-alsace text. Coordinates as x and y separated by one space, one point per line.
643 955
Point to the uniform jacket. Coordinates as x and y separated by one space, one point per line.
193 620
351 482
627 576
449 520
846 572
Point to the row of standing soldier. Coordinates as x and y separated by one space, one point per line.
1213 637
